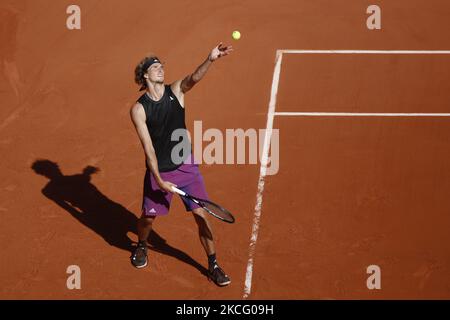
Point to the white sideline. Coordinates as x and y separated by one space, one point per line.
359 114
366 51
262 174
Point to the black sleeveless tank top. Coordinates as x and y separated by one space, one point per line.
162 118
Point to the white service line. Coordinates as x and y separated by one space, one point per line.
366 51
262 174
359 114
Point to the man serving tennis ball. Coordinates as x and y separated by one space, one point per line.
155 115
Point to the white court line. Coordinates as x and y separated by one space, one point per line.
271 114
262 174
359 114
366 51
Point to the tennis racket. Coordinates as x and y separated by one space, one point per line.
212 208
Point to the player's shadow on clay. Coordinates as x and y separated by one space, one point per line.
112 221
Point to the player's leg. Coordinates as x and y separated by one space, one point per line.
155 203
144 227
139 257
204 230
215 272
191 181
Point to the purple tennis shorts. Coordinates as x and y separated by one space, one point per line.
187 177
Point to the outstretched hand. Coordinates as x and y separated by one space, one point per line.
90 170
219 51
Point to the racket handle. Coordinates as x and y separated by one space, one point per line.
180 192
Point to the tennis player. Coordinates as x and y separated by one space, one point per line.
156 115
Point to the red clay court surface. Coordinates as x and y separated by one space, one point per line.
350 192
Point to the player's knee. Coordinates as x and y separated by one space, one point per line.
199 214
203 226
146 221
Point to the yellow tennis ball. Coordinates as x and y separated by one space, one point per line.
236 35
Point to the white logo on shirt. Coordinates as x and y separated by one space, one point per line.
152 210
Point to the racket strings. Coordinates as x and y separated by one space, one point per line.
218 211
